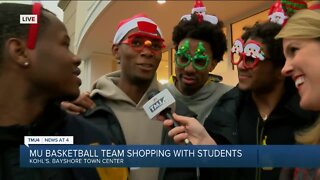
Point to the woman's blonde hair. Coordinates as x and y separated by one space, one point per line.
303 24
310 135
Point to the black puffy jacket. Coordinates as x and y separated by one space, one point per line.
235 120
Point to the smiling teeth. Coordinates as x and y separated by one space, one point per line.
299 81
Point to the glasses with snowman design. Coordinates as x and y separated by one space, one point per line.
250 53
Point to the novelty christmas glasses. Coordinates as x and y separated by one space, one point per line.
183 58
138 42
250 53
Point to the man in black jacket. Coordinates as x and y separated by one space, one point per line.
263 109
37 72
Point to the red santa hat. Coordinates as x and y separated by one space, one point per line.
198 7
146 27
276 8
200 11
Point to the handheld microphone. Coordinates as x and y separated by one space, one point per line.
161 103
167 112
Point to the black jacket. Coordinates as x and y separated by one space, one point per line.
53 122
236 120
104 119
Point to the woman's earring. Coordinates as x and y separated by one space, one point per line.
26 63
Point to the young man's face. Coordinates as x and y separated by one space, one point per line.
192 77
54 68
138 65
262 77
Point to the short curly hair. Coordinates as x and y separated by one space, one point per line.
205 31
10 22
266 32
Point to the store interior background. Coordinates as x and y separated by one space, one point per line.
92 25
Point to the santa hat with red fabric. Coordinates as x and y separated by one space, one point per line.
281 10
146 27
277 14
200 11
198 7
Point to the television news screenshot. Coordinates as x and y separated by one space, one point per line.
160 90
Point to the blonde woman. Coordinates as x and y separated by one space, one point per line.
301 43
301 46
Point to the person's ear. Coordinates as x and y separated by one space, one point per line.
213 65
115 51
17 51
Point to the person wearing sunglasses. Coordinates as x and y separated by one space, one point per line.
37 72
115 104
120 95
263 109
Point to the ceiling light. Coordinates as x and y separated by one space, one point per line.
161 1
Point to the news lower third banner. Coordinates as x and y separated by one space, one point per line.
169 156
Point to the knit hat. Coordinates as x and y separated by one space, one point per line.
291 6
146 27
303 24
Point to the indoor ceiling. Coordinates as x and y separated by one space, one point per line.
98 39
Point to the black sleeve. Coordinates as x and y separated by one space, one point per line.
221 123
84 132
103 118
221 127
